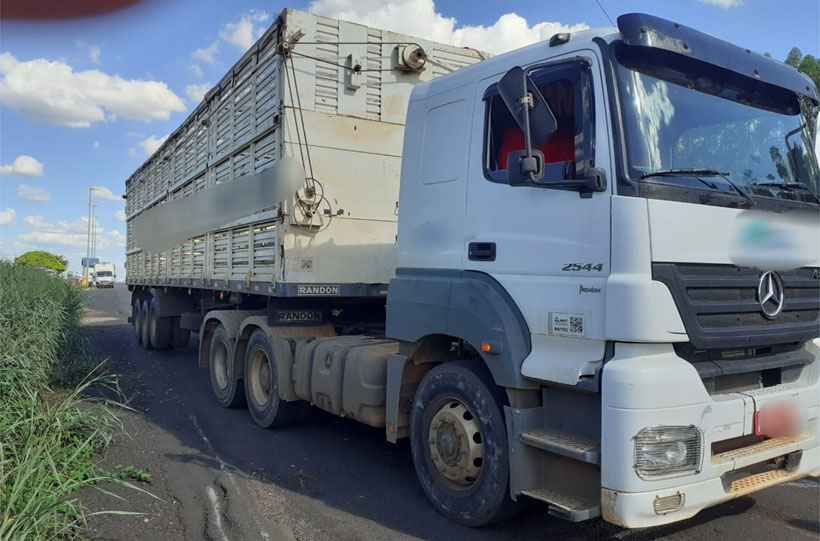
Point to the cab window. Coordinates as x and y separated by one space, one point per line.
566 88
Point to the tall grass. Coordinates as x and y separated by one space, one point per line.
49 434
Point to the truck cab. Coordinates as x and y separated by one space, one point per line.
104 275
646 289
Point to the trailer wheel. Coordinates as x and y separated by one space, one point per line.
159 328
144 329
136 319
458 439
180 338
225 385
266 407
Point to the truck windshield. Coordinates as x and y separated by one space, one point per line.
682 117
103 274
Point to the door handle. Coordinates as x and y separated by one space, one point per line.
481 251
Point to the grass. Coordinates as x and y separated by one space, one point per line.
50 432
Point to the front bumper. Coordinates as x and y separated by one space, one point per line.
638 509
648 385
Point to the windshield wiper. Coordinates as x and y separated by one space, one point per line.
697 173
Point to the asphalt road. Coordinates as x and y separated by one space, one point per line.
215 475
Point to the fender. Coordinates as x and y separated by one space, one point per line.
469 305
230 319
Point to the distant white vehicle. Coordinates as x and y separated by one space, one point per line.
104 274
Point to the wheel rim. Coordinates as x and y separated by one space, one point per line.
260 378
456 444
220 364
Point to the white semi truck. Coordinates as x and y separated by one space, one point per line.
584 272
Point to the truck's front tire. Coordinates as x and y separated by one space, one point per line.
227 388
266 407
459 444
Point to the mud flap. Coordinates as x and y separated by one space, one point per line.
395 371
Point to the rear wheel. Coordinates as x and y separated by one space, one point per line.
136 319
144 330
266 407
224 383
458 439
159 328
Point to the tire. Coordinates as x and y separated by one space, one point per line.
145 335
458 439
180 338
227 388
159 328
136 319
266 407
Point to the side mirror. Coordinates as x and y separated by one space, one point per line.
527 106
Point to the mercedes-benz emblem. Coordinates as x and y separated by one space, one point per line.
770 294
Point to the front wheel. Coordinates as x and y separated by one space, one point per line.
459 444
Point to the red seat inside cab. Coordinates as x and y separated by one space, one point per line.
560 146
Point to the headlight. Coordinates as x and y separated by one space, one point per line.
665 450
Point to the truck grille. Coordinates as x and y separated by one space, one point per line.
720 308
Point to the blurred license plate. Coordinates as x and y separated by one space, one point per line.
777 420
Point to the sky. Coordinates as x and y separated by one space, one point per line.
83 102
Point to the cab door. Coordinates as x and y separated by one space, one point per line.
549 248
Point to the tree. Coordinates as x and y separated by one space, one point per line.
794 57
807 64
811 67
43 260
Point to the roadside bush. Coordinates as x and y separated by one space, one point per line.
49 433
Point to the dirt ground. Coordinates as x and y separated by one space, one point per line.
214 475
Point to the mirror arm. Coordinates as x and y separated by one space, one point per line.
526 101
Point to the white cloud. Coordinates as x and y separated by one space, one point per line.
23 165
117 238
33 193
69 233
36 221
94 53
7 216
420 18
52 91
725 4
120 215
207 54
197 92
244 32
151 144
241 33
101 192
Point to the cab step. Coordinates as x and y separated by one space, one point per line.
567 507
568 445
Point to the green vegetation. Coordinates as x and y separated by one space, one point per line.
50 435
808 64
134 474
43 260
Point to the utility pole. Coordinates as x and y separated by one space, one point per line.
88 239
91 237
